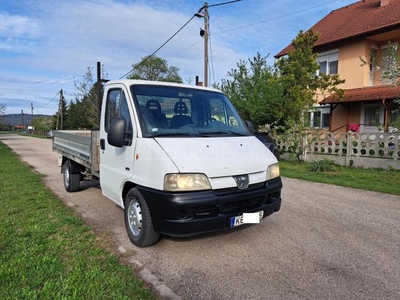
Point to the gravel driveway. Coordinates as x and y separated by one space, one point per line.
327 242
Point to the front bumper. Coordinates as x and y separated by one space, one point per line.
189 213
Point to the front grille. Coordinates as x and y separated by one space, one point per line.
242 205
228 191
205 211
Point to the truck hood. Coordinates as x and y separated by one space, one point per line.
218 156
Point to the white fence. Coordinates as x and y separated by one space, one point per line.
369 150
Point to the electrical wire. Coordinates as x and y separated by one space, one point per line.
151 55
185 49
219 4
256 23
211 68
49 101
278 17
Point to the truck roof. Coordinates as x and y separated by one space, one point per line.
129 82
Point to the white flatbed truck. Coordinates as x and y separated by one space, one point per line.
177 158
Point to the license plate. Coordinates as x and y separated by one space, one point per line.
246 218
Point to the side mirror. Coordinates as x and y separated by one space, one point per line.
250 127
116 133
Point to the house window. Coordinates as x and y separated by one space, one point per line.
373 65
389 63
328 62
371 115
325 120
319 118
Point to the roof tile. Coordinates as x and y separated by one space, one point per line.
354 20
365 94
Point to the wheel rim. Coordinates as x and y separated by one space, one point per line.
135 217
66 176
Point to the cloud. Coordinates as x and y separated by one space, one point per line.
16 26
45 45
18 33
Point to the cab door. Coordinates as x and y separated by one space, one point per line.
116 164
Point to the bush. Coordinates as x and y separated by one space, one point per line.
324 165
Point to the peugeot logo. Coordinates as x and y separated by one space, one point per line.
242 181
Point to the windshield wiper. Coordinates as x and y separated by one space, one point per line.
213 133
173 134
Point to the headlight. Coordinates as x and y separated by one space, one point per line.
273 171
186 182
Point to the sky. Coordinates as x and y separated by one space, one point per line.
47 45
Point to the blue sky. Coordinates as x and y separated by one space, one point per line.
47 45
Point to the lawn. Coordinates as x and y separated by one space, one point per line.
46 252
378 180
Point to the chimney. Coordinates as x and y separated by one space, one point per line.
384 2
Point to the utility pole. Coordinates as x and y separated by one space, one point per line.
32 115
22 119
204 33
60 111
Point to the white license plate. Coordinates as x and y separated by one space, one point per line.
246 218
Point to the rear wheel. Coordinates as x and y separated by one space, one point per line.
138 222
71 180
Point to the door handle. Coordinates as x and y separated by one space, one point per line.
102 144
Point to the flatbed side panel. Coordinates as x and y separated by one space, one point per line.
76 145
95 152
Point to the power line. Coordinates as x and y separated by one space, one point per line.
219 4
212 61
147 58
49 101
278 17
256 23
185 49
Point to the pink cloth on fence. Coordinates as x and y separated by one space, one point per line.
354 127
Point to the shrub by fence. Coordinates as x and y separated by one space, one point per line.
369 150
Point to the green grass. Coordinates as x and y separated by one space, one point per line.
378 180
46 252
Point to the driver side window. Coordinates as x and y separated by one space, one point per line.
117 107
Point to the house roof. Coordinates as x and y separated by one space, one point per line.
360 18
365 94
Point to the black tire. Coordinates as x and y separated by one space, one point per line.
71 180
138 222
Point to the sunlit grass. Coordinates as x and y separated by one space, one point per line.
378 180
46 252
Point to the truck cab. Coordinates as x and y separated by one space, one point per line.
180 161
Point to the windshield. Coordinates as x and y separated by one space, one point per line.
166 111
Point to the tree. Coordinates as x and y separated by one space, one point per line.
297 75
42 123
87 100
59 119
255 91
156 69
76 116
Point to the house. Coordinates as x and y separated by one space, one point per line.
359 42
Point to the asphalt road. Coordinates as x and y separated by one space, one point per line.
327 242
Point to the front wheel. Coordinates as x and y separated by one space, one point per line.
71 180
138 222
